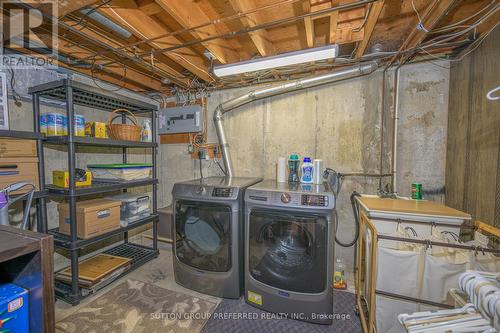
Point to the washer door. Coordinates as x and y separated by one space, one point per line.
288 250
203 235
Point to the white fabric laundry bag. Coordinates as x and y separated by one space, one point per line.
485 262
443 266
387 311
399 271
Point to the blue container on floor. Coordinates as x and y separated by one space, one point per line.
14 313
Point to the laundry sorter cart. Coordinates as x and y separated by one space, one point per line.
408 257
476 300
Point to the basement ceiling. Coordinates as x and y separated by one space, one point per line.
160 45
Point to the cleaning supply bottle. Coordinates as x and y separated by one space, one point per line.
293 168
339 280
307 171
147 136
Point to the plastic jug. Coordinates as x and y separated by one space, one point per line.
307 171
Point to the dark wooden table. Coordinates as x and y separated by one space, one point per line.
27 260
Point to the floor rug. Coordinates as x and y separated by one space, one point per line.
344 309
135 306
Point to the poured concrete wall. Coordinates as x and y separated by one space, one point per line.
339 123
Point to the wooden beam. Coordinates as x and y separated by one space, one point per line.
149 7
430 18
167 70
69 6
259 38
334 20
308 24
144 27
103 76
188 14
71 47
376 9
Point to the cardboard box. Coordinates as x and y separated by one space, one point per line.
20 169
93 217
14 309
17 148
96 129
61 178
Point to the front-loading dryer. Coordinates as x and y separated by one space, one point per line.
289 249
208 234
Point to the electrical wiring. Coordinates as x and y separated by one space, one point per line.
95 80
84 18
15 94
458 23
420 25
444 38
362 25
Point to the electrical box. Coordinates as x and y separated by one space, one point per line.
182 119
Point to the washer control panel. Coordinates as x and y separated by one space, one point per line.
314 200
291 199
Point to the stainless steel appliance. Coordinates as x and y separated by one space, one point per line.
208 229
289 249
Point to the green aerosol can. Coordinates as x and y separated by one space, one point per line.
416 191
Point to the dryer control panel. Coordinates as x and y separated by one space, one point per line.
222 192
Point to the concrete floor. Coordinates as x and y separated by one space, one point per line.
158 271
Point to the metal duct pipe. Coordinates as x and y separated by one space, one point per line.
98 17
224 107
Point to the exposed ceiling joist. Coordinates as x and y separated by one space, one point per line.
149 7
144 27
334 20
120 71
189 14
371 21
259 38
308 24
69 6
434 12
166 70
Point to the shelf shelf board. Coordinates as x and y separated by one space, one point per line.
100 187
20 134
36 195
90 96
86 141
64 241
138 253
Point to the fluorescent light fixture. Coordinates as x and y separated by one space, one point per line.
281 60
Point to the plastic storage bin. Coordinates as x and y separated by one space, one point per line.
133 207
120 172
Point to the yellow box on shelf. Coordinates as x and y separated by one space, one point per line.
61 178
96 129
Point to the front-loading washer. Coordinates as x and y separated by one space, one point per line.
208 234
289 249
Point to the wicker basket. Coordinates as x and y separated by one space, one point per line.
124 131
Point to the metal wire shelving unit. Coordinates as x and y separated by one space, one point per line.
76 93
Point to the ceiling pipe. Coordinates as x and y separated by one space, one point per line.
99 18
229 105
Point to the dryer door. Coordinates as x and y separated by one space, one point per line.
288 250
203 235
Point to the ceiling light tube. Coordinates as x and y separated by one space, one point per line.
281 60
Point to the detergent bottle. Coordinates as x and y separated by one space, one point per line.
307 171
